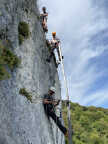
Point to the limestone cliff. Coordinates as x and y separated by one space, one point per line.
23 122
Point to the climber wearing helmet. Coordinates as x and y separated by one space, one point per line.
49 106
54 44
44 17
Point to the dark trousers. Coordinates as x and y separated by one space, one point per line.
57 121
52 53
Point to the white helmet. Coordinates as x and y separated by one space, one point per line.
53 89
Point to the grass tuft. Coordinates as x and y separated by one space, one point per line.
24 32
7 59
24 92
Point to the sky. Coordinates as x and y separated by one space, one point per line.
82 27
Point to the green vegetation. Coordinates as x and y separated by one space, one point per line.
3 73
90 124
24 92
24 32
7 59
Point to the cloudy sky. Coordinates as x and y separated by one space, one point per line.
82 26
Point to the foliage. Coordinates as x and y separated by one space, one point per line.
21 39
90 124
10 58
24 92
7 59
24 32
3 73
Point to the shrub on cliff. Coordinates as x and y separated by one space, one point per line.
24 92
24 32
7 59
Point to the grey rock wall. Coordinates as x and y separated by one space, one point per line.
22 122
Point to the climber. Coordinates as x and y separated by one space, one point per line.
49 106
54 44
44 17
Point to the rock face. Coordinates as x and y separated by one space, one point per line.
23 122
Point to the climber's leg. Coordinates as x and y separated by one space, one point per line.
44 25
58 54
58 122
51 55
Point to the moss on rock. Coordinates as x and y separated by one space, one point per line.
3 73
10 59
21 39
7 59
24 32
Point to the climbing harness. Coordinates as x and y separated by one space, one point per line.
67 94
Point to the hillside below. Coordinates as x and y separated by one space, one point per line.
90 124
